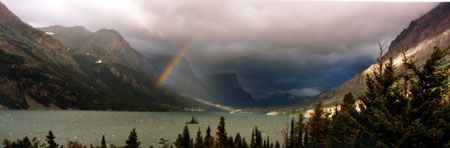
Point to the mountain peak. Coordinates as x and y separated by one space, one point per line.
431 29
71 37
109 39
105 40
7 16
428 25
109 32
36 44
79 28
109 46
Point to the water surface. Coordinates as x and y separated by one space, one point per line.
89 126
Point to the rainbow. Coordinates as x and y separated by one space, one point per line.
169 68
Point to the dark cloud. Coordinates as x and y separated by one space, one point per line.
274 46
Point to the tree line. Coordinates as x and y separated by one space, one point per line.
402 107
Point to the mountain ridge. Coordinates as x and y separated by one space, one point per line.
38 72
419 38
226 86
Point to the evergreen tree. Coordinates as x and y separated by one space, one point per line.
428 113
199 139
407 109
132 141
103 143
306 138
252 140
7 143
257 141
179 142
318 125
300 131
343 126
230 143
209 140
238 141
277 144
186 142
221 134
267 141
51 140
292 135
244 143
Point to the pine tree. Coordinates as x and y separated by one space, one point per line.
7 143
252 140
257 141
277 144
209 140
103 143
221 134
428 113
179 142
300 131
407 109
186 138
132 141
199 139
230 143
238 141
244 143
306 138
319 127
292 135
343 126
35 142
51 140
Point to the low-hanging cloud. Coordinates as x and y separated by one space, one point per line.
273 46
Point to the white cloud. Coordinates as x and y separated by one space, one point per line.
305 92
264 42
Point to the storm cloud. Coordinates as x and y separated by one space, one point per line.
296 47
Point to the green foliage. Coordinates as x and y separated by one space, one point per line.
221 134
21 143
409 108
209 140
51 140
257 141
103 143
300 131
293 135
184 140
132 141
318 125
238 141
343 127
198 139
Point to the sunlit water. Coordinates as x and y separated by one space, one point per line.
89 126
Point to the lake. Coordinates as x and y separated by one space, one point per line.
89 126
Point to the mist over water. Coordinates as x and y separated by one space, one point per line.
89 126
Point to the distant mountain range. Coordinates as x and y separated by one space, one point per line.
73 68
110 47
419 38
61 67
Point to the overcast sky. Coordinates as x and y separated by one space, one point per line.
295 47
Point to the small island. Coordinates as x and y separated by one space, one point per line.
193 121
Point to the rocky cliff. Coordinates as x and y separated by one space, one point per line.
419 38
